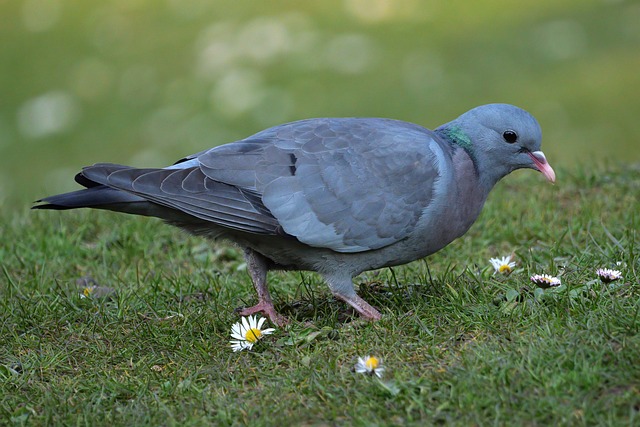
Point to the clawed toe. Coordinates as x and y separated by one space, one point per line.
266 309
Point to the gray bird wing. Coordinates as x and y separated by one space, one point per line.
350 185
189 190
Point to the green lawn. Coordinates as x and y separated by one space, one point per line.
461 346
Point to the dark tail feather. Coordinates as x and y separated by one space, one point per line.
107 198
99 197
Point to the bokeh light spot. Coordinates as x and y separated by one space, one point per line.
40 15
350 53
237 91
561 39
51 113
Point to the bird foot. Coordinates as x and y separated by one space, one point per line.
365 309
370 313
267 309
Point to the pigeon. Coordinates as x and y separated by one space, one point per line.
336 196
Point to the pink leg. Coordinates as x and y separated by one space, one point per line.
257 268
343 288
365 309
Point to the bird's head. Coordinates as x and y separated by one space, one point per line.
500 138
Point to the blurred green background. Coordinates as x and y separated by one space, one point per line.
146 82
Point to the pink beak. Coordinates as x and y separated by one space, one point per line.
543 166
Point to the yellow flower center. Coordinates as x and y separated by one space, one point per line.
371 363
253 335
87 291
504 268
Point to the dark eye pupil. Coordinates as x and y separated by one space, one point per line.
510 136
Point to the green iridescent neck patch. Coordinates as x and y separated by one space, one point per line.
461 139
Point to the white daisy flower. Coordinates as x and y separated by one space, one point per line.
87 291
502 265
607 275
545 281
370 365
247 332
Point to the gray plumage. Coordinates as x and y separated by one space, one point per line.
335 196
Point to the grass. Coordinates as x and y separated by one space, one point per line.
461 346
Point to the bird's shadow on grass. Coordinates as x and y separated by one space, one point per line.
324 309
327 309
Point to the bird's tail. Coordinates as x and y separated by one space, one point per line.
94 197
98 197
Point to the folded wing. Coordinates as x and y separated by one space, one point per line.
349 185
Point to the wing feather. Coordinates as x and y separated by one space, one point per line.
190 191
349 185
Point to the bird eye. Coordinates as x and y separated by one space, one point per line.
510 136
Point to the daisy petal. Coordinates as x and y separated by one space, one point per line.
245 324
237 345
236 331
